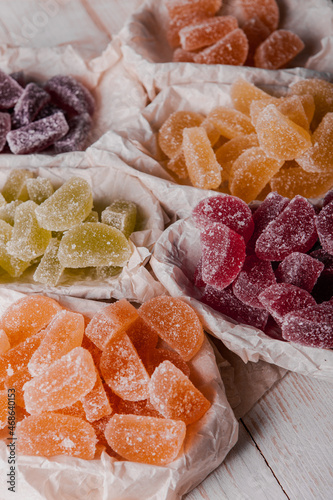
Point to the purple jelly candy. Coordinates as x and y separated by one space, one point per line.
76 137
10 91
255 276
299 269
229 210
282 298
324 223
197 278
223 255
29 104
294 230
48 110
70 94
37 135
5 125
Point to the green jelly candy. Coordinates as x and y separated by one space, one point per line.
15 267
29 240
15 187
92 217
50 269
39 189
122 215
67 207
93 244
7 212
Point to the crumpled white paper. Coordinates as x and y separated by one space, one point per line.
175 257
206 445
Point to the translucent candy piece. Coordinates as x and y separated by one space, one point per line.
28 316
155 441
181 55
180 21
5 126
77 135
92 217
64 333
223 255
39 189
178 165
53 434
142 337
3 409
70 94
266 10
292 181
110 322
67 207
299 269
3 202
12 265
107 272
256 32
49 270
17 381
7 212
176 323
251 172
255 276
75 410
206 32
278 50
92 348
203 169
170 136
212 133
324 224
228 153
158 356
10 91
231 49
121 214
29 240
4 342
37 135
230 122
61 384
322 93
187 7
227 210
318 158
143 408
29 104
96 404
15 187
293 108
243 93
123 370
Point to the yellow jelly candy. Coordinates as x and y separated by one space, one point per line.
322 93
170 136
39 189
15 186
228 153
230 122
242 94
7 212
122 215
318 158
49 269
14 266
92 217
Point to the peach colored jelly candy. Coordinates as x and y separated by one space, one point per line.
251 172
292 181
177 23
176 323
231 49
158 356
203 169
279 137
144 408
15 187
322 93
293 108
61 384
4 342
230 122
206 32
266 10
181 55
228 153
61 336
142 336
278 49
243 93
324 224
174 395
155 441
178 165
123 370
188 7
96 403
12 265
49 270
28 316
17 381
75 410
3 409
318 158
299 269
92 348
110 321
53 434
256 32
170 136
212 133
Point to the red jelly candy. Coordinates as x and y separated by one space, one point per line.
324 223
293 230
76 137
10 91
299 269
29 104
269 209
231 49
70 94
5 126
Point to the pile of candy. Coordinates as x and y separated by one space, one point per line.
264 143
101 381
35 117
249 36
58 229
272 269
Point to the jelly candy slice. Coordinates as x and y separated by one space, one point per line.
243 93
16 382
142 337
39 189
231 49
61 384
143 408
292 181
187 7
278 50
206 32
223 255
322 93
3 409
7 212
4 342
92 348
12 265
19 77
203 169
10 91
293 230
77 135
178 22
256 32
29 104
212 133
53 434
155 441
96 404
158 356
318 157
176 323
110 322
228 153
37 135
181 55
230 122
299 269
170 136
75 410
293 108
178 165
49 270
122 215
324 224
64 332
266 10
15 187
67 207
5 126
70 94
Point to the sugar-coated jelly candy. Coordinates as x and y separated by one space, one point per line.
293 108
178 166
318 158
202 166
75 410
266 10
4 342
5 126
155 441
37 135
243 93
91 347
158 356
92 217
170 136
181 55
3 409
182 7
293 230
144 408
178 22
292 181
48 110
142 336
278 49
7 212
96 404
12 265
256 32
49 270
122 215
230 122
15 187
76 137
175 322
70 94
322 93
39 189
123 370
29 104
10 91
228 153
299 269
227 210
67 207
16 382
61 384
206 32
231 49
324 224
212 133
53 434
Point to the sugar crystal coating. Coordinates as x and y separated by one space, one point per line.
142 337
5 126
76 137
293 108
143 408
178 165
158 356
230 122
278 49
243 93
181 55
228 153
318 157
49 270
177 23
322 93
16 382
10 91
31 101
15 187
70 94
300 270
231 49
12 265
292 181
7 212
121 214
39 189
96 404
206 32
324 224
170 136
187 7
3 409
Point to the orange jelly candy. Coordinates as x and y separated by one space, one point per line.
17 381
178 165
188 7
231 49
3 409
53 434
293 108
157 356
176 323
206 32
228 153
174 395
290 182
144 408
230 122
179 22
75 410
4 342
243 93
64 382
96 403
322 93
318 158
170 136
266 10
155 441
143 338
278 49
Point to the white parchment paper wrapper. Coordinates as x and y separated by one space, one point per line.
175 257
206 445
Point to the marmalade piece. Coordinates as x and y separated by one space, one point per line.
191 7
3 409
206 32
266 10
328 198
4 342
5 126
170 135
299 269
228 153
49 270
16 382
230 122
322 93
292 181
256 32
143 337
293 108
96 403
181 55
15 187
278 50
70 94
39 189
12 265
243 93
324 224
158 356
177 23
197 277
31 101
77 135
318 158
7 212
177 165
10 91
121 214
144 408
231 49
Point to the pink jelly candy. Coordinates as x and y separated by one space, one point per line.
324 223
10 91
5 126
70 94
29 104
299 269
76 137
